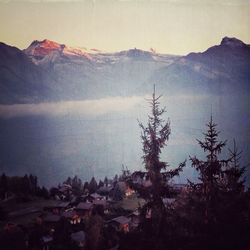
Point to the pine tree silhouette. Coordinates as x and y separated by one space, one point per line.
154 137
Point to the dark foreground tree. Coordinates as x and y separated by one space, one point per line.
234 209
155 180
234 173
210 171
216 208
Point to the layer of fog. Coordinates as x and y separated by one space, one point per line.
85 107
95 137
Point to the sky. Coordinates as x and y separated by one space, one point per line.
167 26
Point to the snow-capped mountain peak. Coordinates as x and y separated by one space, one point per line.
38 50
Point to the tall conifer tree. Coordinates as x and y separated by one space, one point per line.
211 170
154 138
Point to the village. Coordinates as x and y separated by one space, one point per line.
76 216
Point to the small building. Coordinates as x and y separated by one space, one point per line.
105 191
84 209
57 207
102 203
95 196
51 220
72 217
124 188
129 191
121 223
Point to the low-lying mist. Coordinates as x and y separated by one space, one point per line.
95 137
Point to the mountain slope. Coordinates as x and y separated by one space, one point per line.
21 81
224 68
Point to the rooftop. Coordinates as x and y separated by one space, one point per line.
52 218
121 220
84 206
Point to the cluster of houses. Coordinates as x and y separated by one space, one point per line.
74 212
79 209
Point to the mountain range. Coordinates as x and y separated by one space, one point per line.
67 111
48 71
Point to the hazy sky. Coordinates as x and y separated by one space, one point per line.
169 26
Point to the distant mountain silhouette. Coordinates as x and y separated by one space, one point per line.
47 70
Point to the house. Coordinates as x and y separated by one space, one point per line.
57 207
105 190
95 196
121 223
51 220
72 217
129 191
102 203
84 209
124 188
79 239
